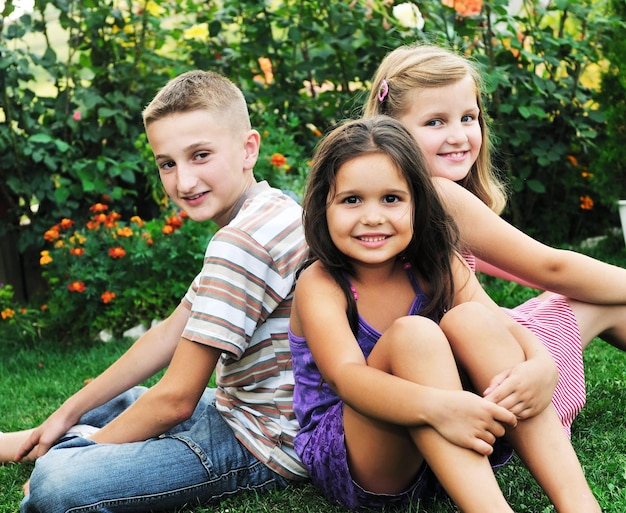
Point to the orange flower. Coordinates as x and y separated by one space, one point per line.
52 234
137 220
7 313
100 218
77 251
99 207
76 286
572 160
107 296
117 252
465 7
174 221
45 258
148 238
278 160
43 307
586 174
125 232
586 203
167 229
66 223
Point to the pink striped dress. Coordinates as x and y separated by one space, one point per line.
553 322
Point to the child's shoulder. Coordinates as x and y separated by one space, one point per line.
317 278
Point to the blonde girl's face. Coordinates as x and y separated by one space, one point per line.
370 211
445 123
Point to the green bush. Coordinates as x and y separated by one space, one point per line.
75 76
111 273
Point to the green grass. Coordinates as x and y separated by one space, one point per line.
34 380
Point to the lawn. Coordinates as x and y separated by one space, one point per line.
34 379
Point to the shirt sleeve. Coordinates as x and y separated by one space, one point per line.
231 296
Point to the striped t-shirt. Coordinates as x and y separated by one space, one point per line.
240 303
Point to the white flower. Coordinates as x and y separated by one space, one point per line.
408 15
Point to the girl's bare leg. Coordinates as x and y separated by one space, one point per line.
484 347
385 458
11 442
605 321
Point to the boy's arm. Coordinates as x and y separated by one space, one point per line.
171 401
493 240
148 355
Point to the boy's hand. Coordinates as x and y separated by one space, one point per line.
525 389
44 436
469 421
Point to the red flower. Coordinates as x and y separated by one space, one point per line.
99 207
66 223
117 252
77 251
278 160
586 203
107 296
76 286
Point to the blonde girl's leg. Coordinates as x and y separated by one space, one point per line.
385 458
605 321
11 442
484 347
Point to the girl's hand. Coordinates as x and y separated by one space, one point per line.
467 420
525 389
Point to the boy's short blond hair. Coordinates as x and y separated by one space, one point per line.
200 90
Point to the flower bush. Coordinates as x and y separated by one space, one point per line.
18 322
112 273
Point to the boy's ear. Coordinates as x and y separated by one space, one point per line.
252 144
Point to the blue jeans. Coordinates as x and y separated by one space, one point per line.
199 461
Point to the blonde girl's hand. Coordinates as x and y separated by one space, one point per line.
525 389
467 420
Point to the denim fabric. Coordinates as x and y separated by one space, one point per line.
199 461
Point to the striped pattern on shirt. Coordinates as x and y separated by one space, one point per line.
240 303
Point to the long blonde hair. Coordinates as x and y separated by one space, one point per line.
413 67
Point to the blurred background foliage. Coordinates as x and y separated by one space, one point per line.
75 76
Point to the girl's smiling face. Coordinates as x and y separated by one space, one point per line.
370 210
445 123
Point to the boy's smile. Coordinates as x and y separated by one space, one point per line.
205 165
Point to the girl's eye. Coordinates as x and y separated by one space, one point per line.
166 165
391 198
351 200
468 118
434 122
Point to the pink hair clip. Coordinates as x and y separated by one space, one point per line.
383 91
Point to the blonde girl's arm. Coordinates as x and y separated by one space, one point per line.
526 388
491 239
319 314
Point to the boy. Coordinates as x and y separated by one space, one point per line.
179 442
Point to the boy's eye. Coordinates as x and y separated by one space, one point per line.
201 155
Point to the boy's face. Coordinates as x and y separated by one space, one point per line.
204 164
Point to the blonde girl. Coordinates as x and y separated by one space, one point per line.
436 94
